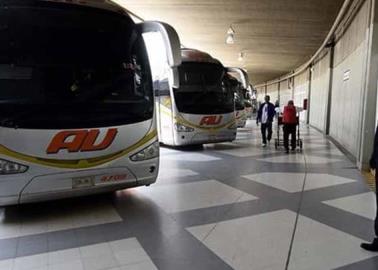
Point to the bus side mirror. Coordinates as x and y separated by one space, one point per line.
171 42
243 75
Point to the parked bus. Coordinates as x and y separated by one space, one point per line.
76 99
201 109
240 110
248 109
240 88
234 86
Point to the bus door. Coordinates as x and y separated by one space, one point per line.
164 112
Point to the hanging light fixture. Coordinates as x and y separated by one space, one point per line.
241 56
230 37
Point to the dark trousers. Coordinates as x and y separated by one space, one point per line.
290 129
264 128
376 218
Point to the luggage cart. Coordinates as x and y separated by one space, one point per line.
280 142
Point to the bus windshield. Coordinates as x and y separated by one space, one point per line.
65 66
239 102
202 91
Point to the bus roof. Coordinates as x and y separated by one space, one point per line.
100 4
192 55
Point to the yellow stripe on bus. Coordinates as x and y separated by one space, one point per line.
77 163
181 120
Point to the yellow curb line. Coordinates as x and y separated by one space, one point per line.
370 179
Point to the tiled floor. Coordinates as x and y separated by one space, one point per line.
115 255
224 206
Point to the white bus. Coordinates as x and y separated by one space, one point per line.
201 109
239 87
76 100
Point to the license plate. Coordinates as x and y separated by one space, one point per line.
82 182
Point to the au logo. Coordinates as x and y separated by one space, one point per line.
81 141
211 120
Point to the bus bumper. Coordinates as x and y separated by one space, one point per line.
205 138
47 196
80 183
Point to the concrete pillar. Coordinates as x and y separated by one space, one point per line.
327 123
370 91
309 95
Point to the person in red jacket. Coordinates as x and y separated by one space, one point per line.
290 122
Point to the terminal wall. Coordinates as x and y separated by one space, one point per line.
348 82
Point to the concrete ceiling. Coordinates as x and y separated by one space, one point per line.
276 35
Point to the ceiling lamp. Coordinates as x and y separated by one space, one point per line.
241 56
230 37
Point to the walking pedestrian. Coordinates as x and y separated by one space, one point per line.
373 165
265 116
290 123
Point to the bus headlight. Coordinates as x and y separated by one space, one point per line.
182 128
151 151
9 167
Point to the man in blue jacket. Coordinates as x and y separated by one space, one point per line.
265 116
373 165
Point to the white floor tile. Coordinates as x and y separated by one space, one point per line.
293 182
361 204
185 156
244 152
189 196
29 227
317 246
59 223
165 172
140 266
98 250
63 256
100 262
124 245
293 158
299 158
9 230
315 181
257 242
6 264
31 262
131 256
324 150
290 182
321 160
68 265
203 231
